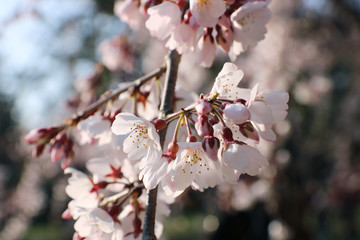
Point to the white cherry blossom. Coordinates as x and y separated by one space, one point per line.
128 11
249 24
227 81
80 188
142 141
207 12
267 108
183 38
192 167
244 158
97 224
163 18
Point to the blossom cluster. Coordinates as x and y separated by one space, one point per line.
209 140
200 26
108 204
229 123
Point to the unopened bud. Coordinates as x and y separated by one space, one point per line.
248 130
173 148
213 120
211 147
191 138
57 151
203 127
41 135
38 150
240 100
66 214
159 123
34 136
114 211
236 113
203 107
227 134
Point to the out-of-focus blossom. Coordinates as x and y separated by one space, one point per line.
207 12
249 24
129 11
116 54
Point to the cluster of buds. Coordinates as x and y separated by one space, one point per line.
61 146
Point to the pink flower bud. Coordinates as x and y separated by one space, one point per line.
114 211
34 135
211 146
62 148
213 121
203 127
57 152
159 123
203 107
240 100
38 150
173 148
66 214
227 134
41 135
191 138
236 113
248 130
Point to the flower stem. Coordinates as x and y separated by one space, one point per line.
166 107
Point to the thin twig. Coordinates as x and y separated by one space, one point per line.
114 94
166 107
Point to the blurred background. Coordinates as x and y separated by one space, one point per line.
48 55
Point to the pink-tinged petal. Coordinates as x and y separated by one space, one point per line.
205 52
162 19
151 175
124 123
102 219
274 97
244 158
82 227
261 113
207 12
94 125
249 24
227 81
265 132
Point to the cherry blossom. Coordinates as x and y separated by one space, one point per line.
191 167
116 54
227 81
207 12
142 140
128 11
244 158
249 24
267 108
162 19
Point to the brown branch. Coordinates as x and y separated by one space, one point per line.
113 95
166 107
